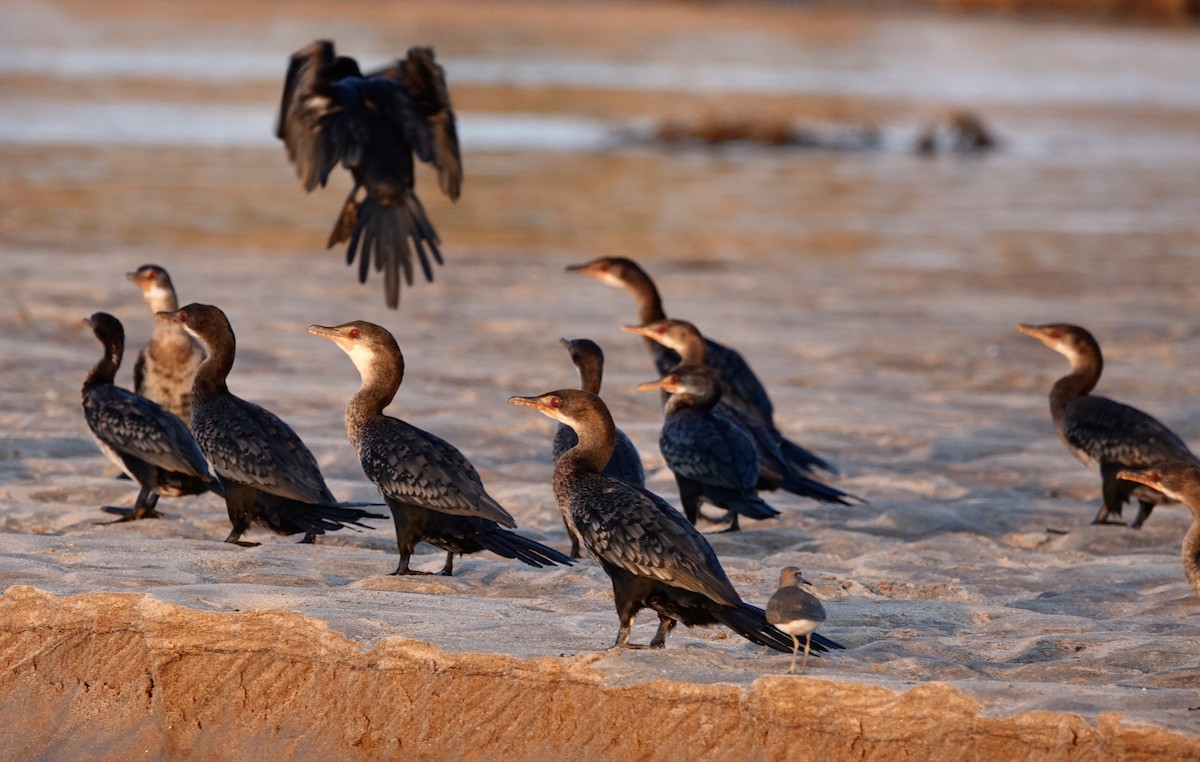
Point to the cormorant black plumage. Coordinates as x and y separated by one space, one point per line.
713 459
653 556
434 492
743 387
269 475
625 463
146 441
1103 433
373 124
165 367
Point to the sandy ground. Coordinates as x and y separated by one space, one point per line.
875 294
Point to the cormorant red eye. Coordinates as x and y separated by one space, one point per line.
182 316
661 329
555 402
603 268
1156 476
1056 334
354 333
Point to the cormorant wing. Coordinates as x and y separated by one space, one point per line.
1112 432
415 467
638 531
315 125
744 389
423 109
138 427
251 445
704 447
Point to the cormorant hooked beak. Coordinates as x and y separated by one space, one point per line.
669 383
337 336
1149 477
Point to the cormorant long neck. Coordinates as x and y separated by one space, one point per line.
382 372
104 372
213 371
590 376
645 293
1086 366
692 350
597 438
1191 552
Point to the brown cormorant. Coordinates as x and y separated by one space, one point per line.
167 364
1178 480
372 125
713 459
626 463
149 443
653 556
269 475
795 611
1101 432
742 385
434 492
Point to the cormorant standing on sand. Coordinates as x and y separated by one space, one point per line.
1101 432
147 442
625 463
743 387
712 458
269 475
372 125
167 364
434 492
653 556
1178 480
795 611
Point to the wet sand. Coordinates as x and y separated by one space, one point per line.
874 292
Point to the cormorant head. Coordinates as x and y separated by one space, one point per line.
371 347
204 322
1178 480
613 271
1071 341
156 286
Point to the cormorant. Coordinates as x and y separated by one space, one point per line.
434 492
1101 432
1178 480
372 125
653 556
742 385
150 444
626 463
795 611
167 364
269 475
712 458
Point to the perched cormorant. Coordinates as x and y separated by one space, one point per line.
149 443
1101 432
742 385
269 475
653 556
625 463
434 492
795 611
373 124
167 364
712 458
1178 480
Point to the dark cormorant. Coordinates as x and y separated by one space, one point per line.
625 463
167 364
742 385
269 475
434 492
795 611
712 458
1101 432
147 442
373 124
1178 480
653 556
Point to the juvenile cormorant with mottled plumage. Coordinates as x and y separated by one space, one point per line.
625 463
713 459
743 387
372 125
167 364
653 556
1103 433
149 443
434 492
1178 480
269 475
